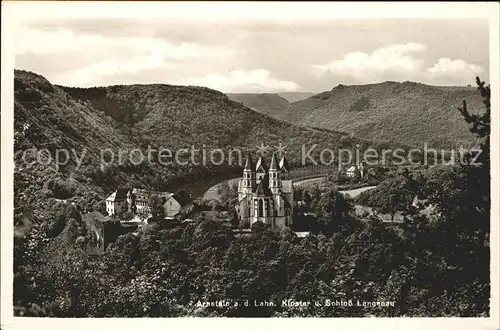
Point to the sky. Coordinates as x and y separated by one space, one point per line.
253 55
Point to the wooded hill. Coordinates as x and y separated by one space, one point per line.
408 112
263 103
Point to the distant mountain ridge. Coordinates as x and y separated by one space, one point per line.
410 113
295 96
266 103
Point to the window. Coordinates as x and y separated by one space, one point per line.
261 208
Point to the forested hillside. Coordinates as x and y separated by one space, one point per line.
428 266
411 113
264 103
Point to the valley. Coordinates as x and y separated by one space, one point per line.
370 234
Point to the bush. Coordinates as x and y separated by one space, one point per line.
61 189
31 95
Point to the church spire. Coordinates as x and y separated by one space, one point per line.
261 165
274 175
284 167
249 163
274 163
248 175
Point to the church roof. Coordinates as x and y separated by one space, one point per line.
284 164
274 163
262 188
261 165
249 163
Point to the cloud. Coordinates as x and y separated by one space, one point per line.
399 62
390 57
91 75
267 54
257 80
370 66
452 72
49 42
117 55
447 66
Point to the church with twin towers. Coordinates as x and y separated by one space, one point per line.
265 193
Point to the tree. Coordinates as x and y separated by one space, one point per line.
392 195
333 210
156 205
157 182
479 171
226 191
455 244
462 193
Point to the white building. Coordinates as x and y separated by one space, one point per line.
356 171
174 203
116 203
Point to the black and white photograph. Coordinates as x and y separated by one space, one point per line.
250 160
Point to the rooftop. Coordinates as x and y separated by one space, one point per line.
262 188
261 165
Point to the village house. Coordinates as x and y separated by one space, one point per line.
116 203
137 201
174 203
356 171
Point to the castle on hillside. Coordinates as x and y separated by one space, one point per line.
265 194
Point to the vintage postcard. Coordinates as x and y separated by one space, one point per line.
258 164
